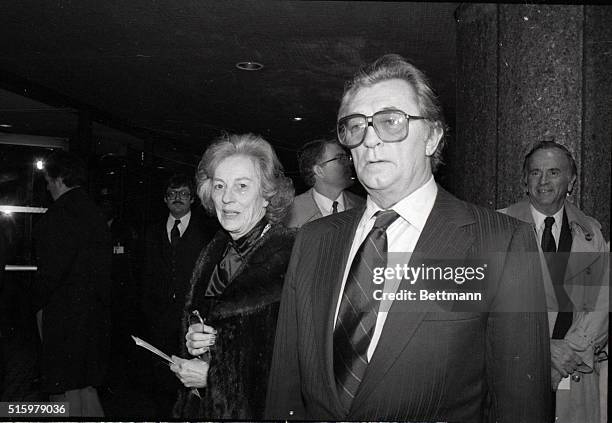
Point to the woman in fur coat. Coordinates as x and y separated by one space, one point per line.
236 283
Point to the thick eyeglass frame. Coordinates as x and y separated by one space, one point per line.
345 157
370 122
171 195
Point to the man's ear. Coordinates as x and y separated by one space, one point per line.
59 182
317 170
436 132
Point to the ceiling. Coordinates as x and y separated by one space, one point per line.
164 70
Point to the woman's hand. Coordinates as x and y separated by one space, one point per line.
200 338
192 373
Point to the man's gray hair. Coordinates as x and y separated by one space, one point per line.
394 66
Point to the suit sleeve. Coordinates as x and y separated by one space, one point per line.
284 398
589 331
56 251
518 351
149 300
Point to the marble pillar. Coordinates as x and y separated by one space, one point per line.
528 72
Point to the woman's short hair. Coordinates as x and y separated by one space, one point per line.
394 66
276 188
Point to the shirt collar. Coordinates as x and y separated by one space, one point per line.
325 203
414 208
184 220
538 217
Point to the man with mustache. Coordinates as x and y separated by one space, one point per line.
171 249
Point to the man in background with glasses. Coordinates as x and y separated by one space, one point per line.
339 355
171 249
326 168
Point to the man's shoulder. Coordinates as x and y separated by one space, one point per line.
479 215
303 198
333 221
302 210
492 231
575 214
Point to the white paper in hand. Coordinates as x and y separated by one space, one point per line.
147 346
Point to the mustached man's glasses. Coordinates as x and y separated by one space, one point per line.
390 126
184 194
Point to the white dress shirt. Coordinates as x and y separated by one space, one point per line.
402 237
182 227
325 204
538 219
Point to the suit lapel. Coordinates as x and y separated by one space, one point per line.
165 244
312 211
443 237
333 253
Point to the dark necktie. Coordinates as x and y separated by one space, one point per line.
548 240
175 234
358 310
335 207
556 262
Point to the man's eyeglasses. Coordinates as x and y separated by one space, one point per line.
184 194
342 158
389 125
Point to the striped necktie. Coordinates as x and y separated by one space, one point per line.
358 310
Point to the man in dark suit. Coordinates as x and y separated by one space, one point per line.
72 288
326 167
171 249
340 354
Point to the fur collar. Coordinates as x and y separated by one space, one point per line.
256 284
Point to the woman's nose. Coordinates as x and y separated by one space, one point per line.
228 195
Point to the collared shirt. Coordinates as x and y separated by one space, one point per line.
182 227
402 237
325 204
538 219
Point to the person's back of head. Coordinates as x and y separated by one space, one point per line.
67 166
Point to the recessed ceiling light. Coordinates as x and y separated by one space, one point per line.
5 125
297 118
249 66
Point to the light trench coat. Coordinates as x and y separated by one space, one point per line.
587 281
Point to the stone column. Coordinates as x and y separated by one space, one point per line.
528 72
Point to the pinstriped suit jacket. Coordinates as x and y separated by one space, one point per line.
430 364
